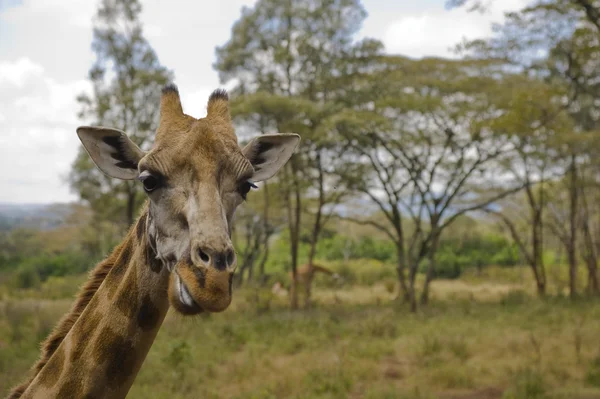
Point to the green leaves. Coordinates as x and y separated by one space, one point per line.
127 78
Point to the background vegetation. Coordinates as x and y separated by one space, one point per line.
458 199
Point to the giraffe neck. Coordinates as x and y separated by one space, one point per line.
321 269
103 351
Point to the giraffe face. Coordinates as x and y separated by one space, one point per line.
195 177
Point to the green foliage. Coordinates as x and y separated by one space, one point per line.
30 272
337 247
16 245
474 251
127 78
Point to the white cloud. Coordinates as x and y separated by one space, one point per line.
40 79
17 72
42 73
435 32
38 141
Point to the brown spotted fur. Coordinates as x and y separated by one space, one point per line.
305 272
85 295
172 120
183 145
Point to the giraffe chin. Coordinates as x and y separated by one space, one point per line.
193 290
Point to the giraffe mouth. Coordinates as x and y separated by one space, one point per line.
185 297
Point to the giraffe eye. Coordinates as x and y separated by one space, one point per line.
245 187
149 181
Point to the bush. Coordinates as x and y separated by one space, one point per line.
25 277
340 246
32 271
457 253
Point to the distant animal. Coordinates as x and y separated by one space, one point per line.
178 253
305 273
304 277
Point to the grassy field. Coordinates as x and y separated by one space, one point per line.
480 338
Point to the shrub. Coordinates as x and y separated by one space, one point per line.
25 277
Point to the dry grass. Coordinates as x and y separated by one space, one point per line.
476 340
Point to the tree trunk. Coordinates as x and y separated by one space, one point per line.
571 243
412 282
588 250
401 270
263 260
534 258
315 232
266 233
412 297
537 265
592 266
294 227
251 267
430 267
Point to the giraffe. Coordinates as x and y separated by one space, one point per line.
177 254
304 278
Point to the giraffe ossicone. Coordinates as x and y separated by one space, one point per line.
178 254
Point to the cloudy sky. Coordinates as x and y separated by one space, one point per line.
45 55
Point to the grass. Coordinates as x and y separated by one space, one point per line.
476 340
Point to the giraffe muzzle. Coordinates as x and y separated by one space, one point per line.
193 289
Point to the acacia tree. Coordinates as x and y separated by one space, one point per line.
423 157
556 42
287 58
535 123
126 78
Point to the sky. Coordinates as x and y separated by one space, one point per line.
45 55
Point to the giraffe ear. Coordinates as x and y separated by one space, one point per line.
269 152
112 151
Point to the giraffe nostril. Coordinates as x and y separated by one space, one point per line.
230 257
203 255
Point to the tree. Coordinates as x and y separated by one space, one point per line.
556 42
288 59
127 78
258 221
424 156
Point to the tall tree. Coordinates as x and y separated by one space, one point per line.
287 58
556 41
126 78
422 154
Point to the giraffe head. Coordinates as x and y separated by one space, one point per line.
195 176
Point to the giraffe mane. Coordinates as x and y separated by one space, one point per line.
60 331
